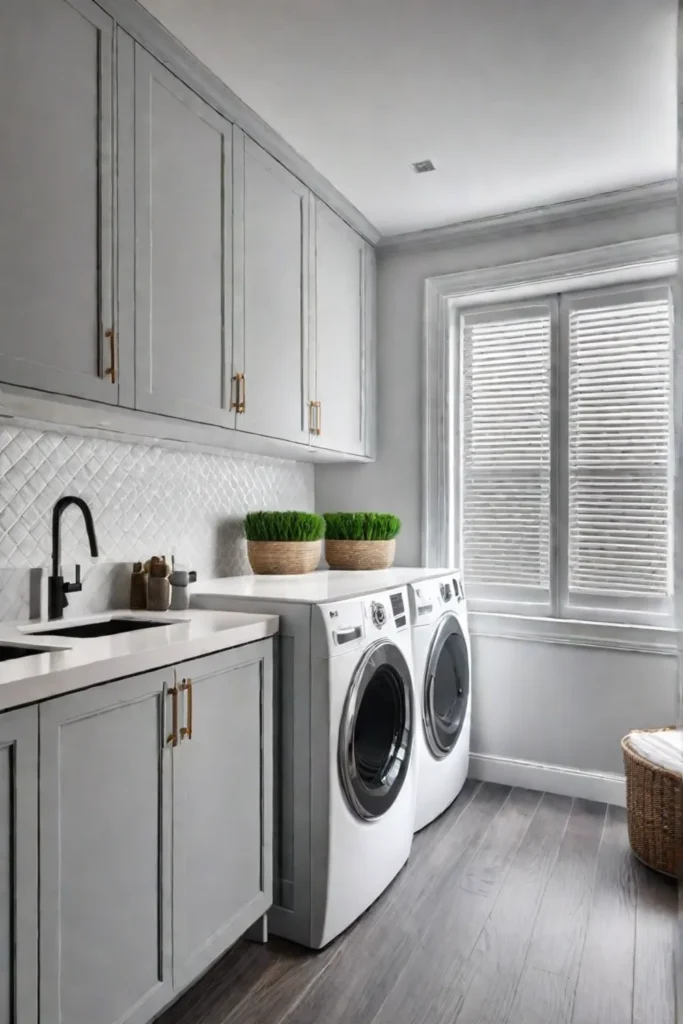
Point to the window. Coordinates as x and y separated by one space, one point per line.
565 454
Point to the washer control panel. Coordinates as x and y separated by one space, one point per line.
356 622
378 613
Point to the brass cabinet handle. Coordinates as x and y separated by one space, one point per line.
243 403
234 402
240 393
314 417
186 731
319 418
173 736
111 369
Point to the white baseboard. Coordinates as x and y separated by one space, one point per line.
605 787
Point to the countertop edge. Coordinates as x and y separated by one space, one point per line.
31 690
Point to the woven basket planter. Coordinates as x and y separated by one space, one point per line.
360 554
283 558
654 811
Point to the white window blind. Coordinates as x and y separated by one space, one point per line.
620 437
506 454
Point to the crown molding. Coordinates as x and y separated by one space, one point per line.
157 40
658 196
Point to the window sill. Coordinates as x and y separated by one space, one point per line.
576 632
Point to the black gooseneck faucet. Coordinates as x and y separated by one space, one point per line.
57 588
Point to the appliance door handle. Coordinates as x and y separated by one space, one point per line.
345 636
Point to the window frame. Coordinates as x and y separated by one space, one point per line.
645 262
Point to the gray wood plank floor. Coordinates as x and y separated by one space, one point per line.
515 908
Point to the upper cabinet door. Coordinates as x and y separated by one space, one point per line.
56 198
183 236
271 294
340 259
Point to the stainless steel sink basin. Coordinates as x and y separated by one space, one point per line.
104 627
8 652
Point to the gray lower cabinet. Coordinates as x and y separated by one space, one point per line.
19 867
340 333
105 854
56 200
222 815
272 264
155 825
183 249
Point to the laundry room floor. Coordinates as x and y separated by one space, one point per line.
516 907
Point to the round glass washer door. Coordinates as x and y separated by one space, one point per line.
446 687
376 732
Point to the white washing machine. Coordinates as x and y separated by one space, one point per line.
441 660
345 725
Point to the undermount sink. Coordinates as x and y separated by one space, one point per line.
104 627
8 652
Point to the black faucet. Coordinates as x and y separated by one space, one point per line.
57 588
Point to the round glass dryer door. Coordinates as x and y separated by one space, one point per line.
446 687
376 732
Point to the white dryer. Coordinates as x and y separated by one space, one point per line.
441 660
345 724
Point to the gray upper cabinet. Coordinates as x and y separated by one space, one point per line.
105 854
155 257
56 199
340 332
222 816
271 294
183 250
19 867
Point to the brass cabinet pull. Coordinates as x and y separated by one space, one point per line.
243 403
173 736
186 731
234 402
314 419
239 401
319 418
111 369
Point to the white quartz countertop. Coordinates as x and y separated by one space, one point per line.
64 664
318 587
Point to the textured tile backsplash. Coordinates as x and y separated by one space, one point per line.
145 499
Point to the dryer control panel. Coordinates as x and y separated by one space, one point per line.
429 599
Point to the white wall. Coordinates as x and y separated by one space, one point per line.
561 705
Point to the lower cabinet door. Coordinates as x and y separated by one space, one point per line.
19 867
105 864
222 796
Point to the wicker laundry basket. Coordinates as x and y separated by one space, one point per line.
654 811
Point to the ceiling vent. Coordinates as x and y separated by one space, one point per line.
422 166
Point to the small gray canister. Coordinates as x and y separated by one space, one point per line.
180 580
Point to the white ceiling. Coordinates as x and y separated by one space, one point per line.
517 102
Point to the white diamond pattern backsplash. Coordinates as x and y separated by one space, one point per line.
145 499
